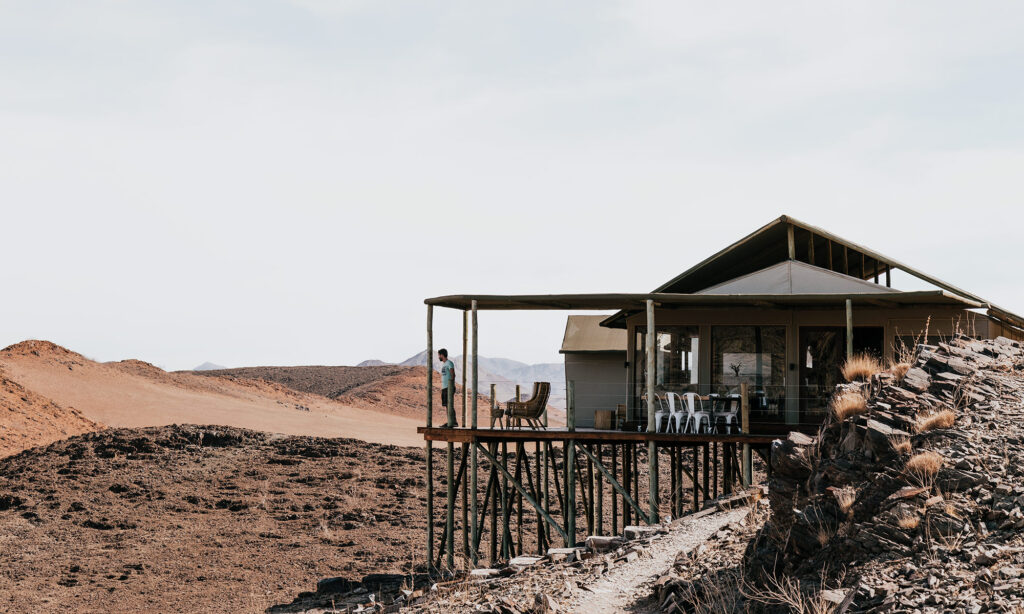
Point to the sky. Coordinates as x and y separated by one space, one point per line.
275 183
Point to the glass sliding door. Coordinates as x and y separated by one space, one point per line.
755 355
677 349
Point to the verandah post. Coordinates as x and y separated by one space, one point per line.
430 446
569 465
473 424
748 467
849 328
652 449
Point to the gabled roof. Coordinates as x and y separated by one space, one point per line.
584 334
794 277
786 239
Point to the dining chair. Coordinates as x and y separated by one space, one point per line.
695 417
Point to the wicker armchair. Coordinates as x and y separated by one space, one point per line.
497 413
532 409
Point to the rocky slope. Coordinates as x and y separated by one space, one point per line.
901 507
202 519
28 419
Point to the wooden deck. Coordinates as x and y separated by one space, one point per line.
468 435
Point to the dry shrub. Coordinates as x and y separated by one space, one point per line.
860 367
940 420
908 521
923 467
901 444
786 592
899 370
849 404
846 497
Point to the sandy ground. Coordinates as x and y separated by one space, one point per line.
28 419
136 394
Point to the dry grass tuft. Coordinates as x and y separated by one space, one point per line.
923 467
849 404
899 370
941 420
860 367
908 522
901 444
846 497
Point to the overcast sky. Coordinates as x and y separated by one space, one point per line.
259 182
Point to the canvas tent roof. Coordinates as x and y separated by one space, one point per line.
584 334
769 245
794 277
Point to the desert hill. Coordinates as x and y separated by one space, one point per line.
28 419
133 393
201 519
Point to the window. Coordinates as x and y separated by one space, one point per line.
676 366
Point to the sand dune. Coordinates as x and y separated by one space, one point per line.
133 393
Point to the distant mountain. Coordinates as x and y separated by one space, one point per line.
209 366
373 363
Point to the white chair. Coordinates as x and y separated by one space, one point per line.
695 417
732 408
675 411
660 413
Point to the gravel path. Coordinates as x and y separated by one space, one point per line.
627 587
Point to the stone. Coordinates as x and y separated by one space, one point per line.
544 604
638 532
602 543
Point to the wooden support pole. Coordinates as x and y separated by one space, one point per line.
863 266
810 248
846 260
449 527
505 511
430 366
673 481
745 419
652 449
726 468
591 503
430 446
476 370
627 484
849 328
465 342
519 499
599 497
714 468
459 479
615 498
494 508
622 490
569 511
875 263
696 484
707 454
465 506
522 490
790 242
830 255
483 512
541 496
888 277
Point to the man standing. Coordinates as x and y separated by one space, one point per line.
447 379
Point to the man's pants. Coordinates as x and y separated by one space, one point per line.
444 403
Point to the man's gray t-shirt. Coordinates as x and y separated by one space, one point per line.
447 373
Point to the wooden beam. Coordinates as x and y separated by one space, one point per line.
830 255
614 483
888 278
652 448
429 444
790 242
476 370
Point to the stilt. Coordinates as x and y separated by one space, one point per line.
615 496
707 454
591 505
505 512
696 484
652 447
599 496
465 506
714 477
673 482
542 496
569 510
627 484
494 509
430 445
